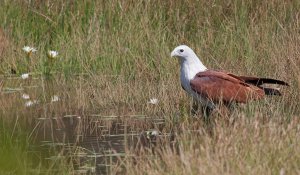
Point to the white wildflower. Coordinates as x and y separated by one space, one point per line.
153 101
54 98
30 103
25 76
282 171
52 54
29 50
25 96
151 134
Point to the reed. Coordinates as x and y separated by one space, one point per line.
114 56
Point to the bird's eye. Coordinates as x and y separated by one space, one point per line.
181 50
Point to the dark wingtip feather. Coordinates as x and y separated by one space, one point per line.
274 81
260 81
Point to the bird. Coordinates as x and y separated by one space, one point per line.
214 87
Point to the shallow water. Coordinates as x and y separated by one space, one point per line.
95 143
92 142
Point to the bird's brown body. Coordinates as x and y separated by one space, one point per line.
219 86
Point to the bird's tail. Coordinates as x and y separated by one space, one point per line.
272 91
260 81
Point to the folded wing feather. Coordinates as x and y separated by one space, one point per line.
221 86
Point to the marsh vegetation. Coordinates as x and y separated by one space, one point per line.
89 109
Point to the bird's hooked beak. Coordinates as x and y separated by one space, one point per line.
174 53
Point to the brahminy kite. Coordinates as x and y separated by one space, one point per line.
210 87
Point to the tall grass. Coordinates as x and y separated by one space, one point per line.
115 55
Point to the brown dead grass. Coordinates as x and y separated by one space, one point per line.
249 146
118 58
4 44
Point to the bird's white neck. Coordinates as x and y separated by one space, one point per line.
189 68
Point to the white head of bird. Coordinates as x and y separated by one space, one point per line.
189 62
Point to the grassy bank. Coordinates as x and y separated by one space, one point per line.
115 55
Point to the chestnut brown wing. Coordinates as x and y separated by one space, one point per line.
219 86
257 81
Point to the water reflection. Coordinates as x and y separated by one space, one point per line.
96 143
63 130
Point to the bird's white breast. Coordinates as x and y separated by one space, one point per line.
188 72
186 76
